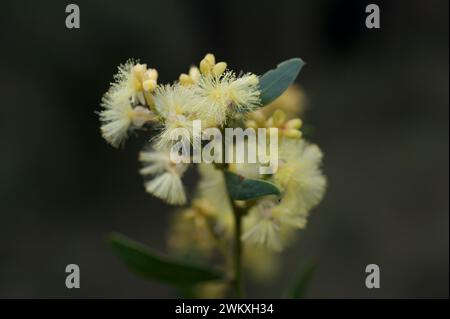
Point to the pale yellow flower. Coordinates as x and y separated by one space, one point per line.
225 95
166 182
124 105
118 118
132 81
215 95
270 220
175 105
300 173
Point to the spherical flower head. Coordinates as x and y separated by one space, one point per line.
175 104
244 93
121 110
223 96
132 81
299 172
166 183
118 118
271 221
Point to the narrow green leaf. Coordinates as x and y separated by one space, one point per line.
301 284
241 188
274 82
141 260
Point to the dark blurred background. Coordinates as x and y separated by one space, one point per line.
379 103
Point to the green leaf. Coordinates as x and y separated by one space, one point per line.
298 289
274 82
241 188
142 261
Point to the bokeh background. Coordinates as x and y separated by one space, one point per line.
378 100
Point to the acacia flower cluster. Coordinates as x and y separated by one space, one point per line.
210 93
219 98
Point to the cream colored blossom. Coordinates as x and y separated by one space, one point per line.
166 182
214 94
118 118
132 81
300 172
124 106
175 105
225 95
270 220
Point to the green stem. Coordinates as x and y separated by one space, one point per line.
238 213
238 252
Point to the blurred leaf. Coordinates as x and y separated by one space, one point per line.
241 188
298 289
141 260
274 82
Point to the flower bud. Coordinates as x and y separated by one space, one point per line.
185 79
149 85
219 68
294 124
205 66
139 70
211 59
292 133
194 73
152 74
251 124
278 118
